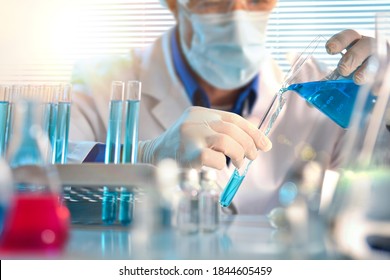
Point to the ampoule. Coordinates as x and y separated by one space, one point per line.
209 209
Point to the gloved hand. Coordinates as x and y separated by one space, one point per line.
202 137
358 49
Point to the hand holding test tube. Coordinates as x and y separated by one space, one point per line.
267 121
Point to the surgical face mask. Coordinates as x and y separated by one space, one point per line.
227 49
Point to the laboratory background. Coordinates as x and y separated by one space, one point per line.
71 188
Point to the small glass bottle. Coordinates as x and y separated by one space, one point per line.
209 209
187 204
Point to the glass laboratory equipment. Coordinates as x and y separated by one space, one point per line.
209 209
130 146
359 213
132 102
4 117
37 221
126 206
114 129
63 120
320 85
186 206
51 94
6 192
113 148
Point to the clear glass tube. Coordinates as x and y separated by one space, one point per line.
132 101
265 126
4 117
63 120
113 148
114 129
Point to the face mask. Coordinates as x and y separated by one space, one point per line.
226 50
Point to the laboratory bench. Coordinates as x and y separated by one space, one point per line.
237 236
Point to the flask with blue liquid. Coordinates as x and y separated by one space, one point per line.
325 89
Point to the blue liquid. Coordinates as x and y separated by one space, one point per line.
126 207
52 130
2 217
109 206
4 120
9 124
130 150
62 133
231 188
113 142
333 98
49 125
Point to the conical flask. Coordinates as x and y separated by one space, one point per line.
37 222
359 212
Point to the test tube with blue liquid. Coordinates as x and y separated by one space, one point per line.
265 126
132 102
113 148
53 93
63 120
130 148
4 117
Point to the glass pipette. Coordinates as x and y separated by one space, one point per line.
265 126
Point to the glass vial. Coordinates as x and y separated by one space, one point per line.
187 208
209 209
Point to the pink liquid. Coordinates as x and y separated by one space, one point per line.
36 223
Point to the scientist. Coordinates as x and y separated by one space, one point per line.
205 85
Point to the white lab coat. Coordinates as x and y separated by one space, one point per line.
299 130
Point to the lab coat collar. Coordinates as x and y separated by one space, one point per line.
159 81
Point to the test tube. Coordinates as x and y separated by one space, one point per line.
63 119
52 92
130 148
113 148
265 126
114 129
4 117
133 98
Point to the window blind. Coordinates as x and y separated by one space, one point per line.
51 37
